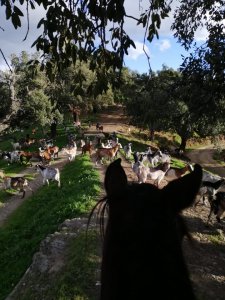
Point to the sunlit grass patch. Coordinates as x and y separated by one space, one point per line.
41 215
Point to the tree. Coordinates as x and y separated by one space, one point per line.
71 28
207 61
87 30
28 101
179 102
149 106
5 102
93 32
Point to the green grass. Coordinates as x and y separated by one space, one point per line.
217 238
77 277
12 170
40 215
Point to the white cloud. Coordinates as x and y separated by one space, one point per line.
163 45
136 53
12 39
201 34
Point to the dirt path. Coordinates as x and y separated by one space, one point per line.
15 201
204 157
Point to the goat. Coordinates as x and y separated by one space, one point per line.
164 157
106 153
17 183
15 156
114 141
25 157
11 157
210 177
217 206
29 142
44 143
143 172
82 143
154 158
107 145
53 151
16 146
6 155
2 174
174 173
143 237
158 175
87 148
46 157
48 173
71 152
99 127
208 189
127 150
137 167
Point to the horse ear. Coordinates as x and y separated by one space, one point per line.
115 178
182 192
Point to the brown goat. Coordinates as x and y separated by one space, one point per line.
174 173
108 153
87 148
46 156
53 151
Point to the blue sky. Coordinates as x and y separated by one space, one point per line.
165 50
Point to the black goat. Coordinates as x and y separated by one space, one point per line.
217 206
208 190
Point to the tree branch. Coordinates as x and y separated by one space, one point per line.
5 60
131 17
28 22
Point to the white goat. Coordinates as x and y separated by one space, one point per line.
157 175
49 173
207 176
16 146
127 150
71 152
138 169
15 156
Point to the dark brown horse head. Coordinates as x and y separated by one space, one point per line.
142 253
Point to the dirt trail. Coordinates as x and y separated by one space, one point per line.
15 201
204 157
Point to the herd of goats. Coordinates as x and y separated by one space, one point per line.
150 164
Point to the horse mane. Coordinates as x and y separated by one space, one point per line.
142 246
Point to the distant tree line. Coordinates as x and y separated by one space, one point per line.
185 101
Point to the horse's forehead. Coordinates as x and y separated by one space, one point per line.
139 193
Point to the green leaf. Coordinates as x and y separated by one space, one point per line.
8 12
16 21
17 11
42 21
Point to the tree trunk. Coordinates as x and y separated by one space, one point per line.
183 143
152 134
53 128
